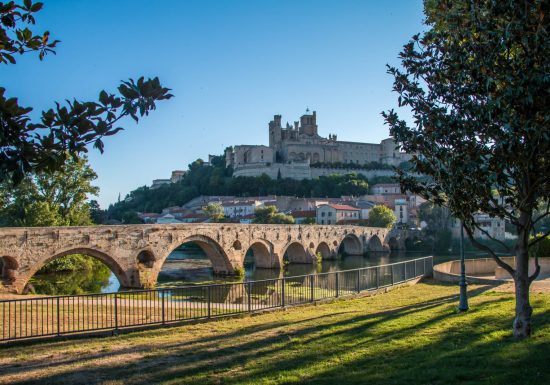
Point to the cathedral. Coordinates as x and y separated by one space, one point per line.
294 149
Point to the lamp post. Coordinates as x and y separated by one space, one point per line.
463 302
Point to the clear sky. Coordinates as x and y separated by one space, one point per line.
232 65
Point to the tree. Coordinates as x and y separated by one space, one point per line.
437 219
131 217
269 214
97 215
477 84
381 216
66 130
56 199
215 212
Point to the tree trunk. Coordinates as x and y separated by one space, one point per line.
522 322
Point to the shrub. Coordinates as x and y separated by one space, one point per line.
541 248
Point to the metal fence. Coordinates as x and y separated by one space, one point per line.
62 315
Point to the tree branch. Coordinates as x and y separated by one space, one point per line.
487 249
536 239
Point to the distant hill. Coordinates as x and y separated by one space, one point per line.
215 179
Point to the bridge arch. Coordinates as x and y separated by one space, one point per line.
264 257
295 252
351 245
324 250
213 250
120 273
375 244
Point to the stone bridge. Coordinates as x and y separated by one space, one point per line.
136 253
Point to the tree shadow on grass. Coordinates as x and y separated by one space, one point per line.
292 350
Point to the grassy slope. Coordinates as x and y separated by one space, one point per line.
410 335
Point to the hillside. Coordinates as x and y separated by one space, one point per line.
215 179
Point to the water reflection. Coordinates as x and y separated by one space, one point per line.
99 279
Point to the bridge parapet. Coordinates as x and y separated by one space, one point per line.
136 253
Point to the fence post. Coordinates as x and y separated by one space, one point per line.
163 296
116 313
424 263
359 280
283 292
377 277
415 268
59 319
249 287
311 286
337 285
392 275
208 297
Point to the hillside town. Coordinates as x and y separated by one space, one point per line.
324 211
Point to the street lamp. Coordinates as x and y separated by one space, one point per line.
463 302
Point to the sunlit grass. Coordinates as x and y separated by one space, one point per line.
409 335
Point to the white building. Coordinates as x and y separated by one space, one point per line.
240 209
495 227
401 211
386 188
331 214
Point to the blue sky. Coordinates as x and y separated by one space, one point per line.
231 65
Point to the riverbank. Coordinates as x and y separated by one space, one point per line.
409 335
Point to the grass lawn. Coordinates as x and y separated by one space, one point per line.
410 335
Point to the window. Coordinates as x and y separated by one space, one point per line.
330 213
328 222
322 221
323 213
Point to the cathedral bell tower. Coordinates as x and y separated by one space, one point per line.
275 131
308 123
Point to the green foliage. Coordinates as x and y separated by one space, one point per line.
65 131
442 241
215 212
56 199
269 214
131 217
381 216
97 215
319 258
541 249
239 271
309 221
477 84
216 179
71 274
436 234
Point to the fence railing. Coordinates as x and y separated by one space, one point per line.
69 314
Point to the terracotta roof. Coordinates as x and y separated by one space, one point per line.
344 207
